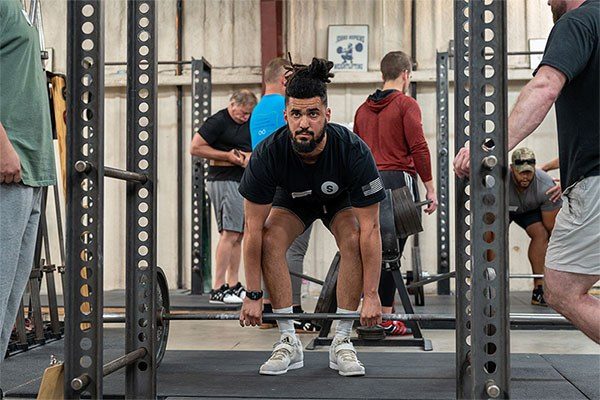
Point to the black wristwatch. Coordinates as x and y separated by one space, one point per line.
254 295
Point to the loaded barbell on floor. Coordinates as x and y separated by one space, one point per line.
515 317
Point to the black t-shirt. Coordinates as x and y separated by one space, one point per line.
344 168
222 133
572 48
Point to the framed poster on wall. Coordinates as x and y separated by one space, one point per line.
349 47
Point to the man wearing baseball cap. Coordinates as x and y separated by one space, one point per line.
532 207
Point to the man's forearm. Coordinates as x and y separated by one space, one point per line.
370 254
550 165
533 104
252 245
210 153
429 186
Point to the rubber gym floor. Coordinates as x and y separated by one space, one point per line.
218 359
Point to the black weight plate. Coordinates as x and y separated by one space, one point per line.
162 305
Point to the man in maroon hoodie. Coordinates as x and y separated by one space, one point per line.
390 123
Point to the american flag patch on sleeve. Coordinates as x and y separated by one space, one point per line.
373 187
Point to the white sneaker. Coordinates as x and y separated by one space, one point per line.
287 354
342 358
224 295
230 298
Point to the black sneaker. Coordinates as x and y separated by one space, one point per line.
304 325
239 290
537 297
224 295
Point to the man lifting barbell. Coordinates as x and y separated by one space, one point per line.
308 170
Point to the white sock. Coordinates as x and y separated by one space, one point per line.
285 325
344 326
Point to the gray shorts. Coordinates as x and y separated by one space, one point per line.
575 242
228 204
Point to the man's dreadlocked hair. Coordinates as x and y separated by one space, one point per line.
307 81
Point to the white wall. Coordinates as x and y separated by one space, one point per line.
227 34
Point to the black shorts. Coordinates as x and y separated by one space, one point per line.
309 211
526 218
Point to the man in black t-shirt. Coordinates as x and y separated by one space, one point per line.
305 171
568 76
224 139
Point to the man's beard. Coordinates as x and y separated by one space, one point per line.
558 11
306 146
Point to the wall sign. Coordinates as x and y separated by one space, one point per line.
349 47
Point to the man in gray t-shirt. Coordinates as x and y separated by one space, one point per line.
531 207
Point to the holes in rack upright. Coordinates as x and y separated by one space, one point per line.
143 107
85 361
143 36
489 348
143 236
86 237
144 79
489 311
87 10
85 273
489 293
87 45
143 122
144 50
143 193
489 329
143 164
490 367
87 28
85 290
143 135
85 344
85 308
489 181
87 80
87 185
142 265
489 71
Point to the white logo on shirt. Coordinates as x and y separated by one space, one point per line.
329 187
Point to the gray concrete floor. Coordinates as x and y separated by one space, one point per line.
228 335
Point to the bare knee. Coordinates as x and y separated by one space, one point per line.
230 237
538 233
349 241
272 245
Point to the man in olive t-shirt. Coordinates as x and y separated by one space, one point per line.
26 156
